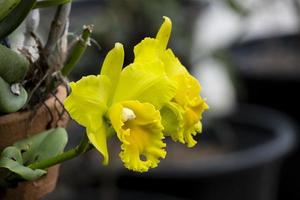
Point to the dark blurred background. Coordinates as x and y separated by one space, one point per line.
246 55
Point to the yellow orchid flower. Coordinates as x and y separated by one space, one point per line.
153 97
181 116
128 101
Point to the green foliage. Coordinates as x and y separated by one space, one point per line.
234 5
10 102
11 159
13 66
6 6
78 50
11 21
49 3
15 159
44 145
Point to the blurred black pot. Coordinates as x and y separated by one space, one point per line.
270 73
238 158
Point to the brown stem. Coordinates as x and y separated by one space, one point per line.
58 30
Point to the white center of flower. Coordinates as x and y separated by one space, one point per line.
127 114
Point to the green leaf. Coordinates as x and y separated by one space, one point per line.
6 6
48 3
12 160
13 66
42 146
11 21
13 153
237 7
19 169
10 102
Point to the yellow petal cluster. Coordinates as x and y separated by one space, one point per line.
187 106
149 99
140 133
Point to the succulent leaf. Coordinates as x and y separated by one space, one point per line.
6 6
16 158
9 101
13 66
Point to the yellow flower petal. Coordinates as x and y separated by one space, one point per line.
164 32
190 107
172 64
87 104
88 99
138 126
113 64
173 121
181 116
187 97
148 50
98 138
153 48
145 82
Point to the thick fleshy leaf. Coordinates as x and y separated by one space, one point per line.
145 82
43 146
6 6
18 168
138 126
87 102
13 66
16 158
10 102
113 64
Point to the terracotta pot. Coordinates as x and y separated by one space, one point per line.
20 125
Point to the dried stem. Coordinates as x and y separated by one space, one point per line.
58 31
30 43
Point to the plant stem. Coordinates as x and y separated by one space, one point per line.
83 147
237 7
78 50
30 45
49 3
58 26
